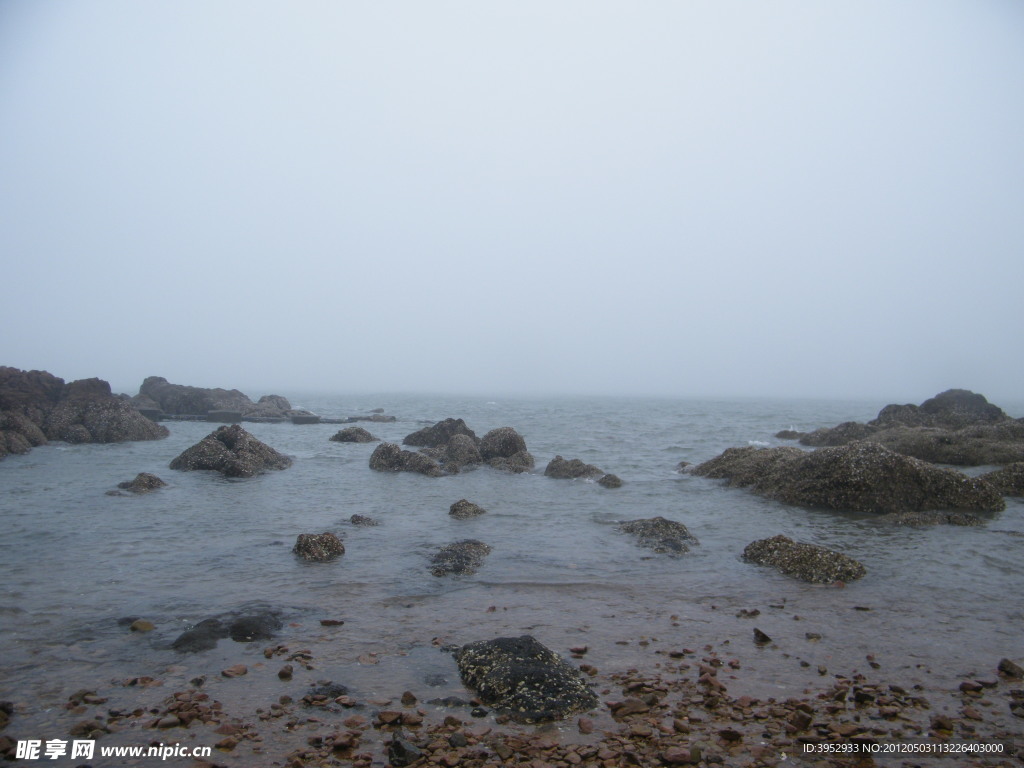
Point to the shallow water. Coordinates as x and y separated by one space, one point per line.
943 601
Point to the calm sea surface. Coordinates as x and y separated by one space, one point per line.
943 601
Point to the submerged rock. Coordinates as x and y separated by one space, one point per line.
389 457
661 535
363 520
861 477
233 452
144 482
461 558
808 562
241 627
524 679
318 547
464 509
353 435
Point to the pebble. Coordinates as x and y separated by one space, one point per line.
235 671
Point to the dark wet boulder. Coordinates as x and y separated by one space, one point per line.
789 434
505 449
808 562
18 434
661 535
522 678
439 434
389 457
242 627
1009 481
363 521
461 451
610 481
144 482
860 477
459 559
572 469
463 509
233 452
845 433
318 547
516 463
353 435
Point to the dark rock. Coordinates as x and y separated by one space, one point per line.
318 547
954 408
303 417
233 452
572 469
464 509
375 416
789 434
862 477
388 457
256 626
439 434
460 558
402 752
144 482
202 637
760 637
1011 669
354 435
461 451
268 407
1009 481
845 433
808 562
180 399
661 535
610 481
504 448
524 679
362 520
240 627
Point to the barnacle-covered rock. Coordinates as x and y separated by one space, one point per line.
439 434
144 482
389 457
521 677
1009 480
661 535
353 435
233 452
571 469
463 509
808 562
460 558
318 547
504 448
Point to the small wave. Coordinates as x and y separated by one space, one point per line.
758 443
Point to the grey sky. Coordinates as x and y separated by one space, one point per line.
781 198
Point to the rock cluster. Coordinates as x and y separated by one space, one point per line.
459 559
661 535
574 469
389 457
318 547
523 678
808 562
862 477
955 427
36 406
233 452
449 446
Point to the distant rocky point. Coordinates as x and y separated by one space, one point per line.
36 406
158 398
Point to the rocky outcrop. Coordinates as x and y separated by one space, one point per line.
861 477
353 435
505 449
318 547
573 468
179 399
661 535
463 509
1009 480
233 452
808 562
440 434
955 427
459 559
144 482
389 457
523 679
36 406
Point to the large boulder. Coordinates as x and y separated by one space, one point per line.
461 558
571 469
389 457
808 562
522 678
954 409
504 448
661 535
36 406
860 477
233 452
439 434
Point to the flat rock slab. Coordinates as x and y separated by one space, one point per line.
523 678
808 562
233 452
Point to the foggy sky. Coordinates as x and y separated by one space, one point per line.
680 198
